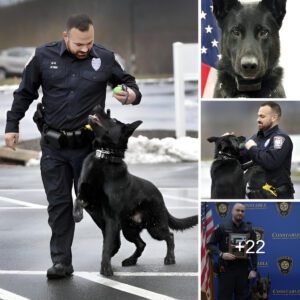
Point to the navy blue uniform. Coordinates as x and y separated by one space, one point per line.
232 274
274 154
71 88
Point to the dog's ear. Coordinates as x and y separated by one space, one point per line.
241 139
222 7
130 128
212 139
277 8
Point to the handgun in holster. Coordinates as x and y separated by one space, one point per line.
38 117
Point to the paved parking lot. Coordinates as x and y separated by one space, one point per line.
24 240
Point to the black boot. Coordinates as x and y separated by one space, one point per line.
59 270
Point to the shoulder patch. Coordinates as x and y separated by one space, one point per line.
278 141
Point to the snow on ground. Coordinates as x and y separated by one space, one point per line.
144 150
148 151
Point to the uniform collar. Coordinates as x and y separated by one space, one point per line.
64 49
268 132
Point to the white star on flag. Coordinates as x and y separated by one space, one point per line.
214 43
203 15
208 29
203 50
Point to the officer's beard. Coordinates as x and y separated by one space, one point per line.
237 220
78 54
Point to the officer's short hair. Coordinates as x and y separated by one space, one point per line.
81 22
274 106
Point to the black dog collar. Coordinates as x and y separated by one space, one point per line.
224 155
244 85
115 156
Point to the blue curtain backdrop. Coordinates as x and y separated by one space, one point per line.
279 225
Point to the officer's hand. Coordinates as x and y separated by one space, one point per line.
11 139
252 274
250 144
228 256
122 95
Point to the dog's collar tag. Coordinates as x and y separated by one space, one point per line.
100 153
110 155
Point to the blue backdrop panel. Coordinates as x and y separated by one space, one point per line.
279 224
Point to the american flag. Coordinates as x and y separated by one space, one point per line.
207 227
210 55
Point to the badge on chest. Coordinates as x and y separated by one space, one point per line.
96 63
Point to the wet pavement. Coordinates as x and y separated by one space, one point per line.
24 244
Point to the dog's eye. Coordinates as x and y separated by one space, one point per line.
236 32
263 34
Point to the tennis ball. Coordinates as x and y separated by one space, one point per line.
118 89
88 127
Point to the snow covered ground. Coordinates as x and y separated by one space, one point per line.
147 151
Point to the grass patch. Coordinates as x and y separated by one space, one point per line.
10 81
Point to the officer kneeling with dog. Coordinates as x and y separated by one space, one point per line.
73 74
235 267
271 149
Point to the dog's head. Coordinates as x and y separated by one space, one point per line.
109 132
250 36
229 145
261 289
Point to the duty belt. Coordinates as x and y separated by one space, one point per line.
67 139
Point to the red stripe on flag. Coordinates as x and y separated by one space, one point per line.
204 75
206 232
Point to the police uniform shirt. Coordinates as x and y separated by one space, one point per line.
274 154
71 87
219 241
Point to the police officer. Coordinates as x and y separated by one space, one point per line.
271 148
233 272
73 74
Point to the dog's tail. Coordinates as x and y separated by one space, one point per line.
182 224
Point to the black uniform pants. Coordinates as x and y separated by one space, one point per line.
234 281
61 169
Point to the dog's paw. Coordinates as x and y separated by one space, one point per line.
77 214
169 260
106 270
130 261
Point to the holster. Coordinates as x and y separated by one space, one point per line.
38 117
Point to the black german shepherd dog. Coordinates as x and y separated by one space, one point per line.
226 171
260 291
250 49
118 200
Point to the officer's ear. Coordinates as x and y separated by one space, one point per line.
65 36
